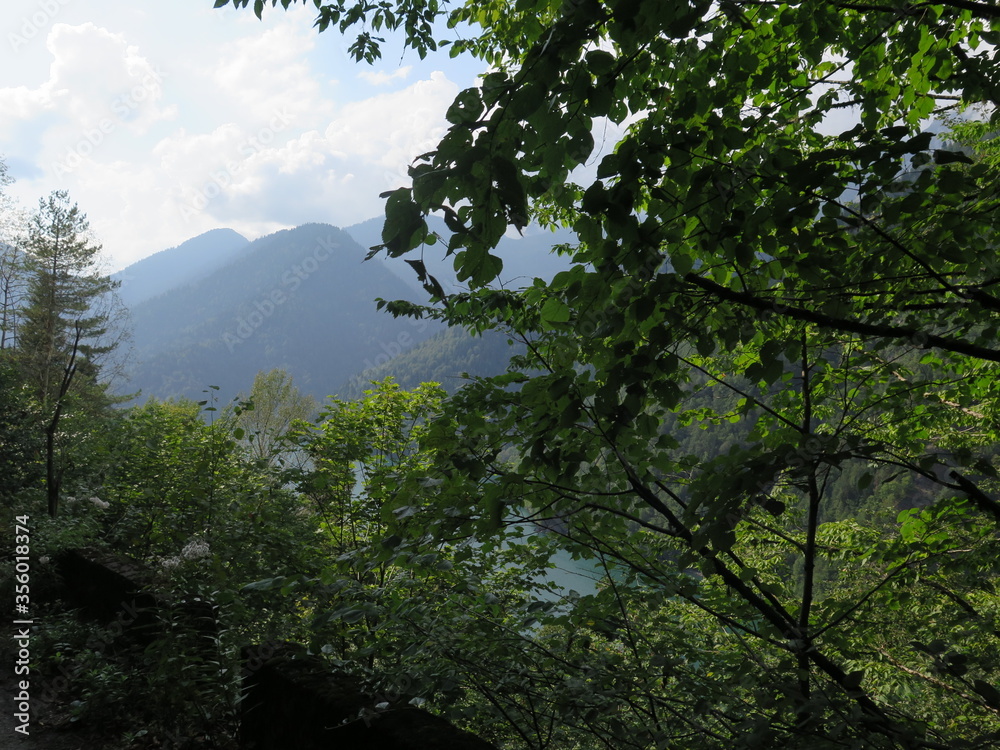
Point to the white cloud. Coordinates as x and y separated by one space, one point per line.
164 124
268 73
98 89
393 128
335 175
96 74
21 103
258 181
382 78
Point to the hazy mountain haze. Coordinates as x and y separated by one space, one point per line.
299 299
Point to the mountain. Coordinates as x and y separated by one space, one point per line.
444 359
299 299
169 269
218 308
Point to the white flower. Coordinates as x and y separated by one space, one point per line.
195 549
170 562
100 503
44 559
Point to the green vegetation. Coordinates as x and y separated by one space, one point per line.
59 328
839 287
763 400
261 419
450 358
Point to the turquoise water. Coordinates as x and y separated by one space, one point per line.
581 576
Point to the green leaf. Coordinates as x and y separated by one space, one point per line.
348 615
265 584
942 156
467 107
555 311
600 62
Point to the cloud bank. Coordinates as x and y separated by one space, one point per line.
255 132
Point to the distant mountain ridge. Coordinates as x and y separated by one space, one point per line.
300 299
445 358
217 309
177 266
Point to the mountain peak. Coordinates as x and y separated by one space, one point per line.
177 266
301 299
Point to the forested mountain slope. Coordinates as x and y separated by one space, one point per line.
445 358
300 299
178 266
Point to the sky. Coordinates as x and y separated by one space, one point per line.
164 120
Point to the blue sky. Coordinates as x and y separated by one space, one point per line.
166 119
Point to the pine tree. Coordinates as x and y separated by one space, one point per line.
61 323
64 325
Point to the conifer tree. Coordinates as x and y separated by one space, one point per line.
61 323
62 336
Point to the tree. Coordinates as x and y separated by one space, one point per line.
175 480
16 444
63 331
838 279
266 415
356 453
61 321
13 279
20 441
379 597
12 287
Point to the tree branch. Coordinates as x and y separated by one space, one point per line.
842 324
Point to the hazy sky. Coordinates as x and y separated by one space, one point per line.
167 119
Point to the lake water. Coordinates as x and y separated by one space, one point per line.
581 576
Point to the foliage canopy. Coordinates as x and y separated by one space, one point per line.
836 282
